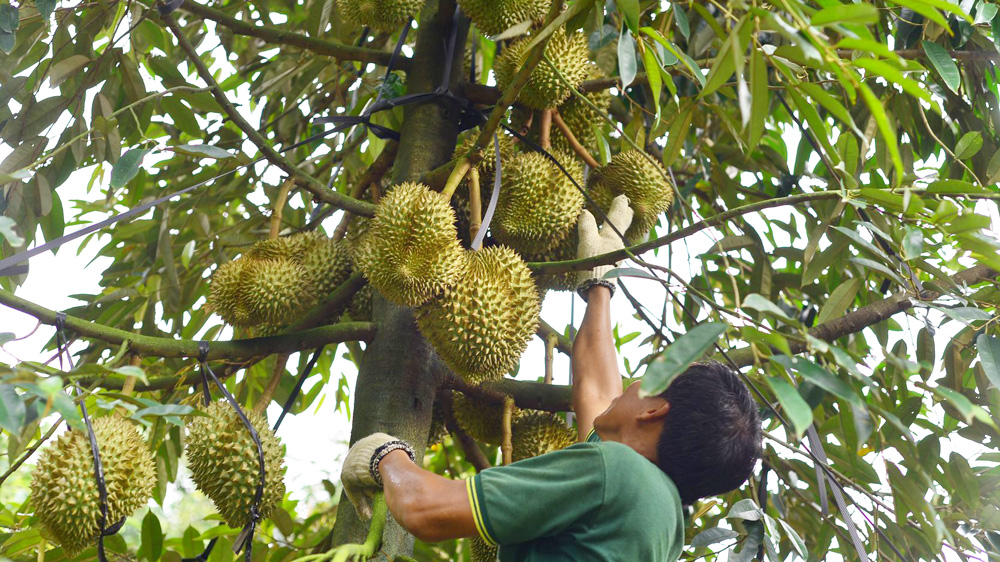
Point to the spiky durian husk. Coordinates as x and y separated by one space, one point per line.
225 293
568 52
285 247
580 117
538 204
411 251
276 291
326 264
495 16
564 250
64 490
481 419
439 429
638 177
381 15
537 433
360 307
481 325
223 461
482 552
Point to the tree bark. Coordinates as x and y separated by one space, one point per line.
396 380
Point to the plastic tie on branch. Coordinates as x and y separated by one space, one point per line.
494 197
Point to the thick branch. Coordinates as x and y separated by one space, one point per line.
548 268
301 178
556 398
273 35
233 350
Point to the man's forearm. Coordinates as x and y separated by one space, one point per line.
430 507
596 381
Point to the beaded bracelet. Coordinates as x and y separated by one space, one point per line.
384 450
589 284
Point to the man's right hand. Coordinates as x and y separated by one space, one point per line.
595 241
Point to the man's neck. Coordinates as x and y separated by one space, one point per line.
637 442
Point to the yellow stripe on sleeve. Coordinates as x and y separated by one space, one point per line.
477 513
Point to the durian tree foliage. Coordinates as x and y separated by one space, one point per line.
843 159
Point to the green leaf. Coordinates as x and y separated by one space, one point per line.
965 407
627 65
830 103
712 536
9 18
12 410
956 187
133 371
798 544
989 356
127 167
913 242
7 41
152 538
652 67
45 7
629 9
677 133
761 98
677 356
894 75
968 145
203 150
65 68
796 409
941 60
820 377
745 509
681 19
885 128
839 300
846 13
966 314
7 225
164 410
759 302
872 264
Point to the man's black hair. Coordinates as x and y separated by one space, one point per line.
711 435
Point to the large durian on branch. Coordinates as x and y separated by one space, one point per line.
224 465
481 325
539 204
544 89
410 251
278 279
581 118
480 418
380 15
493 17
64 489
537 433
641 179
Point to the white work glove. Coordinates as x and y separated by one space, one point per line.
594 241
360 473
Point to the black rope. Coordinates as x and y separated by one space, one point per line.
298 386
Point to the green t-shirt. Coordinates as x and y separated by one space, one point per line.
593 501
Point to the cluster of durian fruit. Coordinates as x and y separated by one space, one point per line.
222 458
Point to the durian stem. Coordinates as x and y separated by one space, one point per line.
545 129
455 178
475 204
272 384
578 148
278 208
507 448
550 352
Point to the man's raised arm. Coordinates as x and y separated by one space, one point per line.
596 381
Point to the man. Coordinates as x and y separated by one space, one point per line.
617 495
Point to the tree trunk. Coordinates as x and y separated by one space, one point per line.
396 383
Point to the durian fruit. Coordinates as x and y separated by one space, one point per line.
544 90
481 419
275 291
538 205
64 489
284 247
482 552
360 307
411 251
225 293
380 15
487 170
579 117
564 250
637 176
326 264
223 461
481 325
493 17
537 433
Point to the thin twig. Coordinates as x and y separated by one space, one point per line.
278 208
475 204
272 384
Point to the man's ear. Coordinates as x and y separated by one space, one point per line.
655 410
